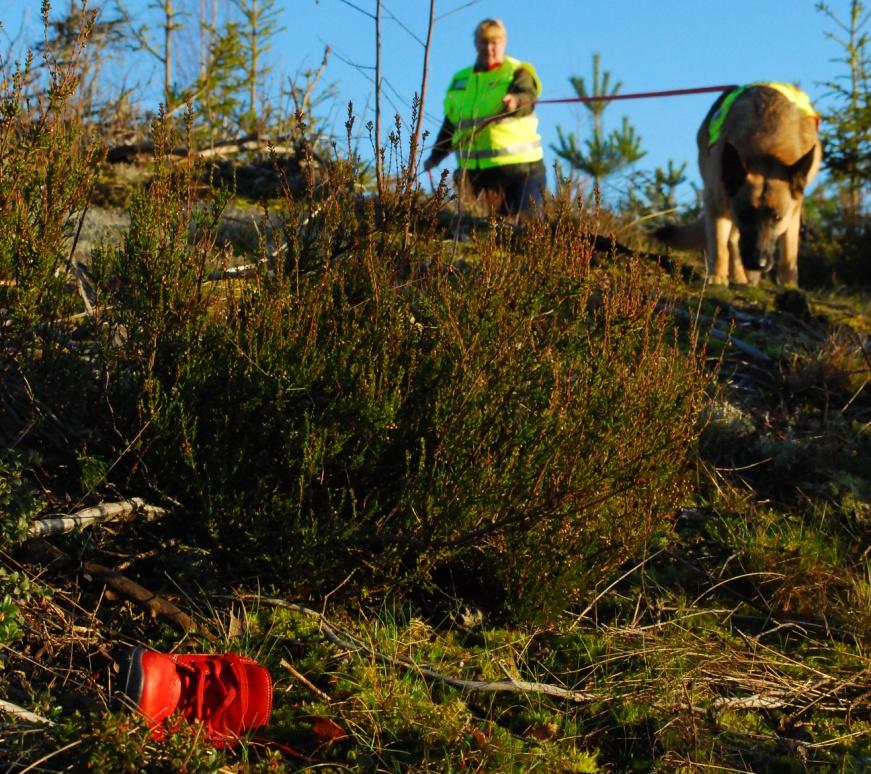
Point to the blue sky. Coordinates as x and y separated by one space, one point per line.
653 45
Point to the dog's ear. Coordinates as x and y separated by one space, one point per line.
732 169
799 171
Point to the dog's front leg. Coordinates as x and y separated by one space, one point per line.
736 266
718 231
787 266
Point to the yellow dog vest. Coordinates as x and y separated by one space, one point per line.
793 94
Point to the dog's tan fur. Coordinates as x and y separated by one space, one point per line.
754 178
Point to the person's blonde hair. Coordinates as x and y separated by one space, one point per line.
490 28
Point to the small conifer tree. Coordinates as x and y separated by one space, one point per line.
846 132
602 154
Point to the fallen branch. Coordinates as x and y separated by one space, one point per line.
22 714
476 686
715 333
757 701
122 511
237 272
612 248
250 142
156 606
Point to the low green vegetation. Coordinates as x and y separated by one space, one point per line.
515 503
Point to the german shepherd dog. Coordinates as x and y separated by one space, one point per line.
758 149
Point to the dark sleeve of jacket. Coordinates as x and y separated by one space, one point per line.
441 149
523 85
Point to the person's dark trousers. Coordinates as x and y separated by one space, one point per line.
521 185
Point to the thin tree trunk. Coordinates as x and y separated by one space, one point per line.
253 75
204 40
167 47
415 140
379 171
857 76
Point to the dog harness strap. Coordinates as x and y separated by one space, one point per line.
719 118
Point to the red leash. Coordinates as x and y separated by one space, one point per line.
637 95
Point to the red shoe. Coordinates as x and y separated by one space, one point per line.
229 694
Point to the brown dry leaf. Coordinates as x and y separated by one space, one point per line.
327 730
543 733
235 626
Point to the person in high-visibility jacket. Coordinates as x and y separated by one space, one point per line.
490 124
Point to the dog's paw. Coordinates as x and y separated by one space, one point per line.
754 278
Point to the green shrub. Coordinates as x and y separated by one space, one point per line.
48 165
19 501
368 407
365 404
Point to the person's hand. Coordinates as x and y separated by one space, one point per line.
510 102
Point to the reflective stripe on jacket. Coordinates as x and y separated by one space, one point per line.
482 138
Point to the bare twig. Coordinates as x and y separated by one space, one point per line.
458 8
731 579
83 283
611 586
357 8
346 642
742 346
297 675
37 763
302 104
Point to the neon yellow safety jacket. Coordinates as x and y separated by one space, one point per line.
792 93
481 138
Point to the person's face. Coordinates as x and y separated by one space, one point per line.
491 51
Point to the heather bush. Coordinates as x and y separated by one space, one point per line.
48 164
367 406
367 403
155 318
